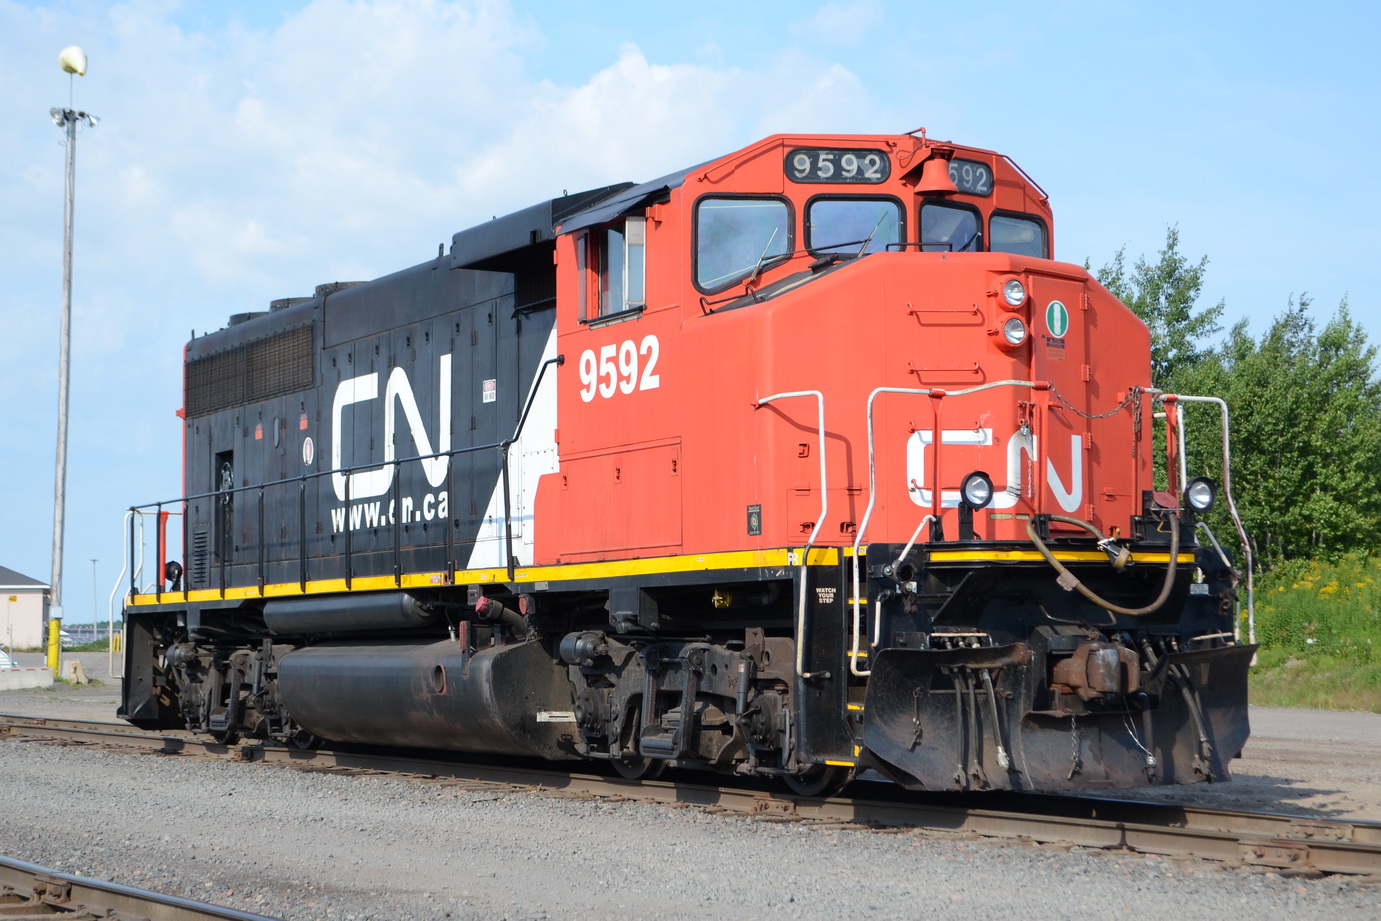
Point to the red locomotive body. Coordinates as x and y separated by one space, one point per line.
800 461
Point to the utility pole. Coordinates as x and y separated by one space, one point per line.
95 604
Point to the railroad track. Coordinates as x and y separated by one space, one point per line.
1284 842
29 891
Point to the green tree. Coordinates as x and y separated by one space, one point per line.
1306 433
1164 295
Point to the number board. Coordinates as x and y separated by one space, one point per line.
815 164
972 177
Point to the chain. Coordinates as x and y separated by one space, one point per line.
916 720
1133 399
1075 763
1136 417
1030 464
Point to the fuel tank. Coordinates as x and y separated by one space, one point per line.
510 699
349 614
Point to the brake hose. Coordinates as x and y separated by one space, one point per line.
1069 580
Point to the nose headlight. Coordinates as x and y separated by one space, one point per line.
977 489
1014 331
1014 292
1200 493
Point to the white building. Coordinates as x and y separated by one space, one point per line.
23 602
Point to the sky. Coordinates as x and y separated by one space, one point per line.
251 151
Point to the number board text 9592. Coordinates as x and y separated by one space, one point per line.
814 164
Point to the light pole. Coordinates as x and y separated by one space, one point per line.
73 61
95 603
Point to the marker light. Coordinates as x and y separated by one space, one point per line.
1200 494
977 489
1014 331
1014 292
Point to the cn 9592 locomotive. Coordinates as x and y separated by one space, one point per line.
806 460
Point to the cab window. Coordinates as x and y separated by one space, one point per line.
618 255
950 229
736 236
1010 233
852 226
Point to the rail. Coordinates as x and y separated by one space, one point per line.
1280 840
28 890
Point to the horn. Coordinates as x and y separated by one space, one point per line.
935 179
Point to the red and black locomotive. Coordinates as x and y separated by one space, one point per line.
804 460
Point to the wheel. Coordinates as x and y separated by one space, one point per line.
819 780
302 740
226 737
636 768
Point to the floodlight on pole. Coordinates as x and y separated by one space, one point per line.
73 61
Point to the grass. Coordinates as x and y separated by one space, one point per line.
1319 625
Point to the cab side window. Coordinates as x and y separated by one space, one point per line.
618 255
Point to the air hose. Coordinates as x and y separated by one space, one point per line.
1068 580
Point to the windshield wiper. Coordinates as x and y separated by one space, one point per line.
864 248
753 275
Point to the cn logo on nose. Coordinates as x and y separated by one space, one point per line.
1018 444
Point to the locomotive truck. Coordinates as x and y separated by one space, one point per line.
805 460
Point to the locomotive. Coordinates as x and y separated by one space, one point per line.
806 460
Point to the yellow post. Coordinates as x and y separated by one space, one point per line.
54 643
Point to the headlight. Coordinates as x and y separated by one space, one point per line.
977 489
1014 292
1200 493
1014 331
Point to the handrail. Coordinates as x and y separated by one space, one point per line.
558 360
935 499
114 591
301 480
1222 405
819 522
348 473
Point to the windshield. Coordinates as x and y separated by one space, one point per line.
852 226
1019 235
949 228
733 236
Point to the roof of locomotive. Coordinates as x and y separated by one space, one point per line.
629 199
539 223
532 225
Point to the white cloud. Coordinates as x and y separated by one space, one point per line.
842 23
235 164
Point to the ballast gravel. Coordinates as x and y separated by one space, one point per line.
319 845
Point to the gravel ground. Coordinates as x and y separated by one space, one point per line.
325 845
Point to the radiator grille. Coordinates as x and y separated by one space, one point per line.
201 542
251 372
